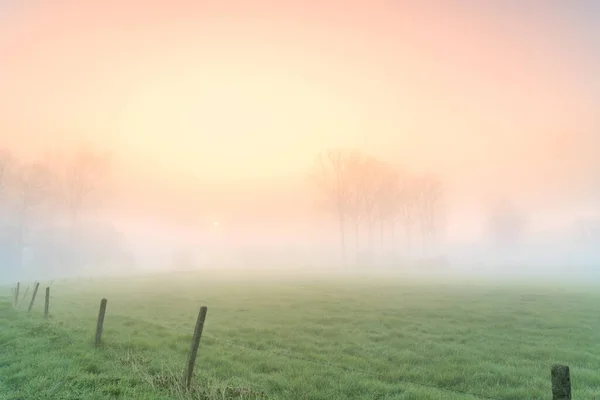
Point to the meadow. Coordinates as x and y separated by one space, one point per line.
301 336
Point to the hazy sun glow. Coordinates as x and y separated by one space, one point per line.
230 95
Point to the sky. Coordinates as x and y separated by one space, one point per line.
194 98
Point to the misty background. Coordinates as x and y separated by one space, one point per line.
418 136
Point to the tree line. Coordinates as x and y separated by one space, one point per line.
45 198
376 205
372 198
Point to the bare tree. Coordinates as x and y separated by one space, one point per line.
362 190
375 186
7 165
408 197
387 198
8 234
388 201
78 178
33 186
429 192
363 175
363 199
333 175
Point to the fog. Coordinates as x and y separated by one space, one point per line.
368 138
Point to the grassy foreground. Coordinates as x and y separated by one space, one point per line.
302 338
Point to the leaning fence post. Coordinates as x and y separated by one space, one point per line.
100 323
561 382
47 303
194 346
35 289
17 294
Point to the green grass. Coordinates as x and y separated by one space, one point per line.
303 338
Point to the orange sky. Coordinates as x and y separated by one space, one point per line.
190 92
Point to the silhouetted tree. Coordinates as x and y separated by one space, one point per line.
388 198
429 191
79 177
362 190
408 197
334 174
7 233
7 163
369 181
377 185
33 186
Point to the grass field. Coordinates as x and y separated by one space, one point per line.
302 338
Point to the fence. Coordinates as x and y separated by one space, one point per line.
560 374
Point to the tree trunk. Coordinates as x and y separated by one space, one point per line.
381 230
408 241
20 242
73 234
393 239
424 239
370 238
73 228
356 240
342 237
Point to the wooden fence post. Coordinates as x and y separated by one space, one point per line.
100 323
35 289
194 346
17 294
561 382
47 303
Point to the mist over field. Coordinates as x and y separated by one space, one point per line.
397 189
227 151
